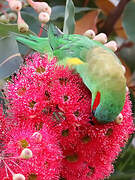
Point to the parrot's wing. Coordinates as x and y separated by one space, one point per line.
72 45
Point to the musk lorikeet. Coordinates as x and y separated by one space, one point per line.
98 66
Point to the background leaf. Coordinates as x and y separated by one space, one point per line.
10 58
5 29
59 11
69 21
32 21
106 6
119 29
91 19
129 20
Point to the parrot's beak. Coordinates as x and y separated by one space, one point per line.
93 112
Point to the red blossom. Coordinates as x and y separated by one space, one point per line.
43 93
45 161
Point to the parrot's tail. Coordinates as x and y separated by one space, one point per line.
36 43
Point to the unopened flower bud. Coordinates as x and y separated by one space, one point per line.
42 7
26 154
43 17
127 89
15 5
133 142
22 26
112 45
101 38
90 34
37 137
4 18
124 69
119 119
12 17
48 10
24 3
18 177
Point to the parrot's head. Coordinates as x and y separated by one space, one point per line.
104 113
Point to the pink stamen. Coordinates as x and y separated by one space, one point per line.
8 168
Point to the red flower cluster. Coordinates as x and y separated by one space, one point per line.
29 154
53 125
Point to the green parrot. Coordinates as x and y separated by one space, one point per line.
97 65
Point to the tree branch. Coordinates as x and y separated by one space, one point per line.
113 17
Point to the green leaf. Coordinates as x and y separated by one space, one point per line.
69 20
123 176
129 20
10 58
59 11
32 21
128 54
5 29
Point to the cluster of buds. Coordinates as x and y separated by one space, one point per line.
42 8
16 5
101 37
8 17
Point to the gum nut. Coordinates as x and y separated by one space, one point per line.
15 5
127 89
119 119
4 19
12 17
124 69
26 154
112 45
101 38
37 136
90 34
43 17
23 27
18 177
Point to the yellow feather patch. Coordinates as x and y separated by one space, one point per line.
74 61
